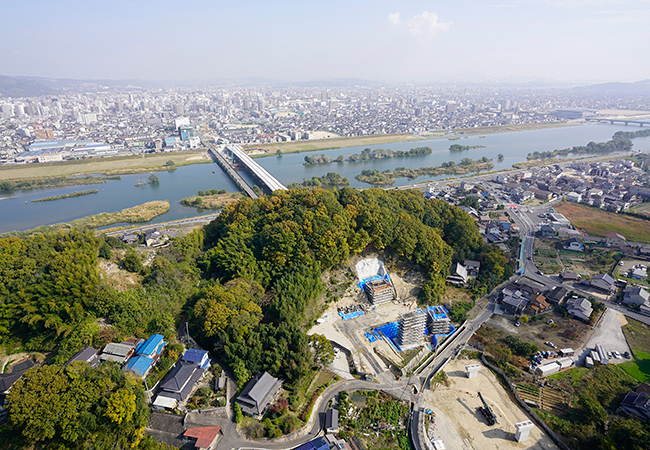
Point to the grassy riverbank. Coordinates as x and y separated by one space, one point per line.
70 195
137 214
262 150
105 166
387 177
213 201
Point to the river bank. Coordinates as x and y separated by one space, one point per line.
137 214
125 165
264 150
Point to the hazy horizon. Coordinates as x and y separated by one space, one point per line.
573 41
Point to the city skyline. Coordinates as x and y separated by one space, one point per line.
578 41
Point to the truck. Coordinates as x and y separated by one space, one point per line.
487 412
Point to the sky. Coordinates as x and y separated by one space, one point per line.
388 41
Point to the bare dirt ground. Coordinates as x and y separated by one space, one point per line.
461 426
407 280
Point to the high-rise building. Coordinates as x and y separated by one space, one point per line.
451 107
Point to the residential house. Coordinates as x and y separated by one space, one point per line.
332 421
8 379
580 308
129 238
514 305
574 197
547 231
538 305
568 276
472 267
119 353
178 384
88 354
492 228
638 272
556 295
199 357
603 282
258 394
204 438
636 404
615 239
146 354
457 274
574 245
636 296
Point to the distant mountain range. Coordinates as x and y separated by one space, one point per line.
625 89
22 87
35 86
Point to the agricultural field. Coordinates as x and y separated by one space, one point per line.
595 222
550 258
547 397
375 419
638 336
106 166
643 208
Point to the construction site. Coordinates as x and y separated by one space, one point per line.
473 411
378 332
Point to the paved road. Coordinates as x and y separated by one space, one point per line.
198 219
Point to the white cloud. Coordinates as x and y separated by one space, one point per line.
395 18
427 25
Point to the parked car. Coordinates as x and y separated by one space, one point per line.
627 355
617 355
517 323
550 344
550 322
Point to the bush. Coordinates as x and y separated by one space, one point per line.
239 415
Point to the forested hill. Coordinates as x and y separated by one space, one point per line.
285 241
249 284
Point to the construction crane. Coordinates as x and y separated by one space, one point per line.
487 412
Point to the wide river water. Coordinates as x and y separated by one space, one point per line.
17 212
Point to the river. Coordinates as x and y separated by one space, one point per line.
17 212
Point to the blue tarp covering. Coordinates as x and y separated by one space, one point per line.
138 365
352 315
363 282
151 346
390 329
370 337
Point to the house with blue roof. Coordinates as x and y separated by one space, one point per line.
140 365
199 357
152 347
146 354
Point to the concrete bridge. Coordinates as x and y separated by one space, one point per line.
237 155
613 121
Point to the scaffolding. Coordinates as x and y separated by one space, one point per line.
379 291
411 329
438 321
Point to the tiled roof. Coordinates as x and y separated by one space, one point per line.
204 435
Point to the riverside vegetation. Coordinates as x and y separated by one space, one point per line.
462 148
57 181
137 214
211 199
367 155
70 195
387 177
620 142
249 284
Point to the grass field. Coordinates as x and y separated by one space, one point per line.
325 144
643 208
638 336
640 367
108 166
600 223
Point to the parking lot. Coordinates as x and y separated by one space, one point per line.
609 334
